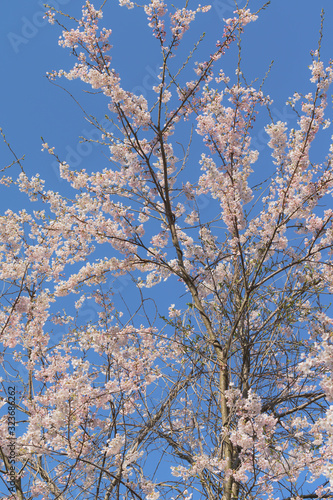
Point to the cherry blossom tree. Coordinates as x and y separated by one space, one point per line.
228 395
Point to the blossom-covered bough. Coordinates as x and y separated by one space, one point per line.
229 395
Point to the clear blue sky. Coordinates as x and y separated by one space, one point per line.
31 107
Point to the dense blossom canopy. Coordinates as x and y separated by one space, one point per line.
229 395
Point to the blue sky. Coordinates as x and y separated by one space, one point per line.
31 107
